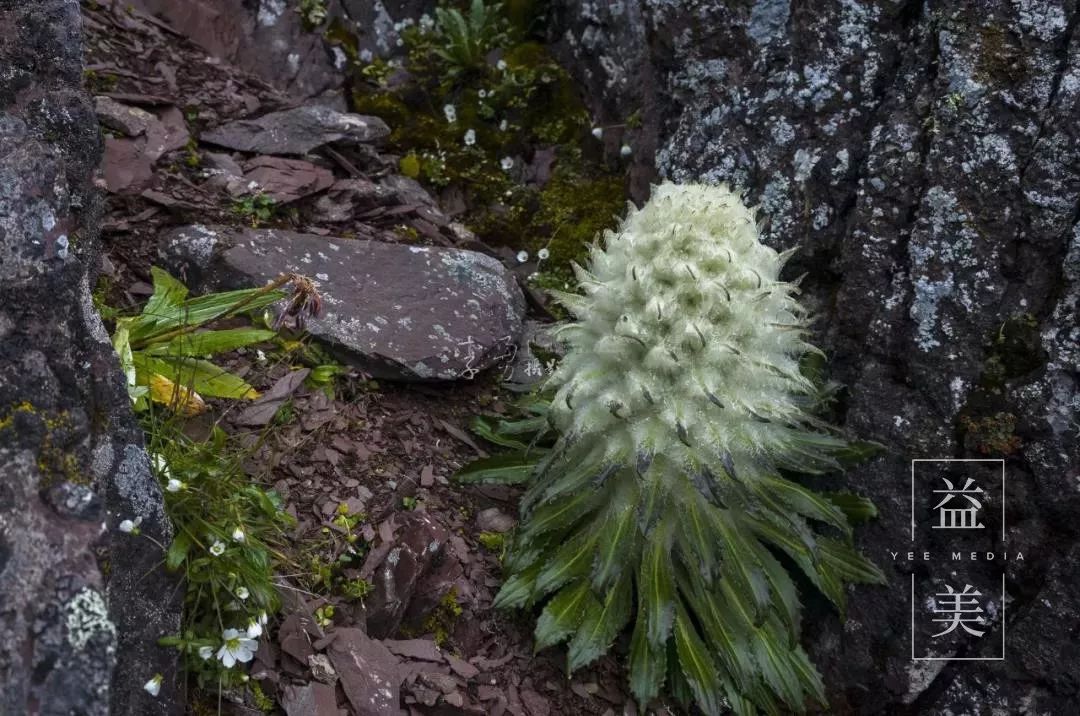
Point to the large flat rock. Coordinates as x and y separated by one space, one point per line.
404 312
296 131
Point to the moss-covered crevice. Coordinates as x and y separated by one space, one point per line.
988 424
481 113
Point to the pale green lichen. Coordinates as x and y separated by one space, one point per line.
87 616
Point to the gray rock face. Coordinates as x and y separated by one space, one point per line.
922 156
406 312
71 459
296 131
266 38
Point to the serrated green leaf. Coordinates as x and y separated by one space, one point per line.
856 452
770 655
571 561
648 664
697 535
602 623
858 509
786 596
561 514
655 588
486 430
806 502
563 614
518 590
848 564
808 674
697 665
506 469
619 544
724 630
739 567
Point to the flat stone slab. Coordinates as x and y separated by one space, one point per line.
296 131
404 312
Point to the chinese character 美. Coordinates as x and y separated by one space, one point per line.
959 518
961 611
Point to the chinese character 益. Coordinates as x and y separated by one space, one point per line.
959 518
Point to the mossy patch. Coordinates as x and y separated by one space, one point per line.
987 424
479 108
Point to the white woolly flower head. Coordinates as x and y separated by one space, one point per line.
686 343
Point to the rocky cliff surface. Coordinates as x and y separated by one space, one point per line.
922 156
81 604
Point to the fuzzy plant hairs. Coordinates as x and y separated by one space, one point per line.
665 481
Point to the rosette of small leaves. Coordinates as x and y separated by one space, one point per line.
669 500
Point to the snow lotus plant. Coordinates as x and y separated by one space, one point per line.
668 501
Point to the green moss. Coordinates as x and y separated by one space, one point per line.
457 118
992 435
259 698
1000 58
440 623
492 541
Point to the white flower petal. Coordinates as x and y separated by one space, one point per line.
522 256
153 686
127 526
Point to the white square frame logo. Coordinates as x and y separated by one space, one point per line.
1001 462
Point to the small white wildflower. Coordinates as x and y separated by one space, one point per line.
160 464
237 647
153 686
238 535
205 652
543 254
260 356
218 548
242 593
482 94
598 132
625 150
244 678
399 42
130 527
174 485
426 22
398 26
522 256
506 163
503 125
262 618
254 630
451 113
533 276
470 138
501 65
366 56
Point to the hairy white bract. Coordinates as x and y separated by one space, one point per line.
686 341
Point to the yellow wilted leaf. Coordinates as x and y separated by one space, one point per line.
183 400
